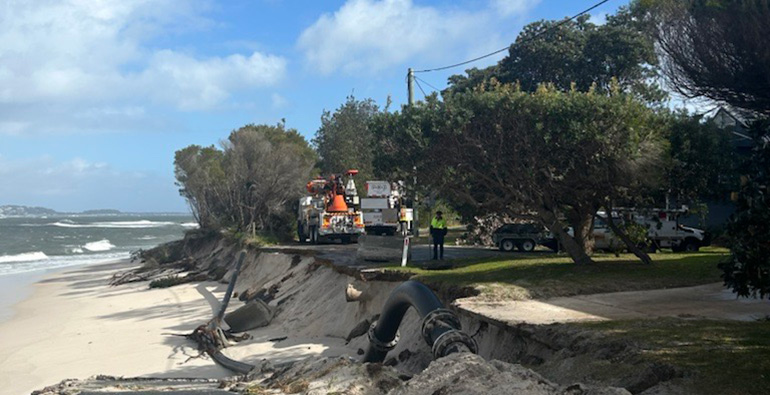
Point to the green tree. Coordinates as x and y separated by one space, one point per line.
575 55
344 140
251 183
702 161
551 155
748 271
714 48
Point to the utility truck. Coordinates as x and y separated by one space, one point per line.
384 209
330 210
663 229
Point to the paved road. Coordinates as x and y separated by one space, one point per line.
345 254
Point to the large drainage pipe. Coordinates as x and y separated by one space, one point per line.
441 328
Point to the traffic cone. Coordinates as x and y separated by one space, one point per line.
338 204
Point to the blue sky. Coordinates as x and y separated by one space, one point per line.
96 95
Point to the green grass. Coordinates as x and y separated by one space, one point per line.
522 276
724 357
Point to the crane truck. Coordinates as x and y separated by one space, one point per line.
330 210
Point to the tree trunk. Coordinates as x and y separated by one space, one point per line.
583 227
642 255
574 250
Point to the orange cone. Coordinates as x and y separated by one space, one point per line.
338 204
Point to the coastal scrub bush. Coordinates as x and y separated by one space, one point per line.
250 182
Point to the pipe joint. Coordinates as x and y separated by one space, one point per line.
453 341
380 345
439 319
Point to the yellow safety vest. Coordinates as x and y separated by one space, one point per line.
438 223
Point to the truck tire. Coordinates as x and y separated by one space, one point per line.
690 245
527 245
507 245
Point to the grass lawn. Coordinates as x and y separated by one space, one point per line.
724 357
542 275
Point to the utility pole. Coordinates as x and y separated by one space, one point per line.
415 222
410 86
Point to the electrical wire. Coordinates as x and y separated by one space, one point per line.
521 42
421 90
426 83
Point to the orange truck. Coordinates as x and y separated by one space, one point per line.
331 210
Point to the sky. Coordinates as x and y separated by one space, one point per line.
97 95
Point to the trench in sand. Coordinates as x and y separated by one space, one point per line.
313 319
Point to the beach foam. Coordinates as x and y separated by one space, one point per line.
98 246
25 257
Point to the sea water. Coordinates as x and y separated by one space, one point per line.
31 247
31 244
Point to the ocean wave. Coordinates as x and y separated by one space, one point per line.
98 246
147 238
24 257
76 250
116 224
57 262
190 224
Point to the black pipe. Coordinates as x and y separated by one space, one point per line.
441 328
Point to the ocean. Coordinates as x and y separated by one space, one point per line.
32 244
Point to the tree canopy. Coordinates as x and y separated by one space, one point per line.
715 49
575 55
251 183
344 141
550 154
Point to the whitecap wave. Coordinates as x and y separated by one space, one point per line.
76 250
116 224
190 224
25 257
147 238
98 246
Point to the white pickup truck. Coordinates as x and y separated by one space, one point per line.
663 231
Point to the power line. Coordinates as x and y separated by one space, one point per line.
521 42
426 83
421 90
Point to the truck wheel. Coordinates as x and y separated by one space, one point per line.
507 245
690 246
527 246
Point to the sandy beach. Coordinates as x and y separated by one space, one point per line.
74 325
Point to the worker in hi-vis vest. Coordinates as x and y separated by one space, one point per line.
438 231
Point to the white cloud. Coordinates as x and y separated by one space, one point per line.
77 184
67 55
598 18
374 35
194 84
